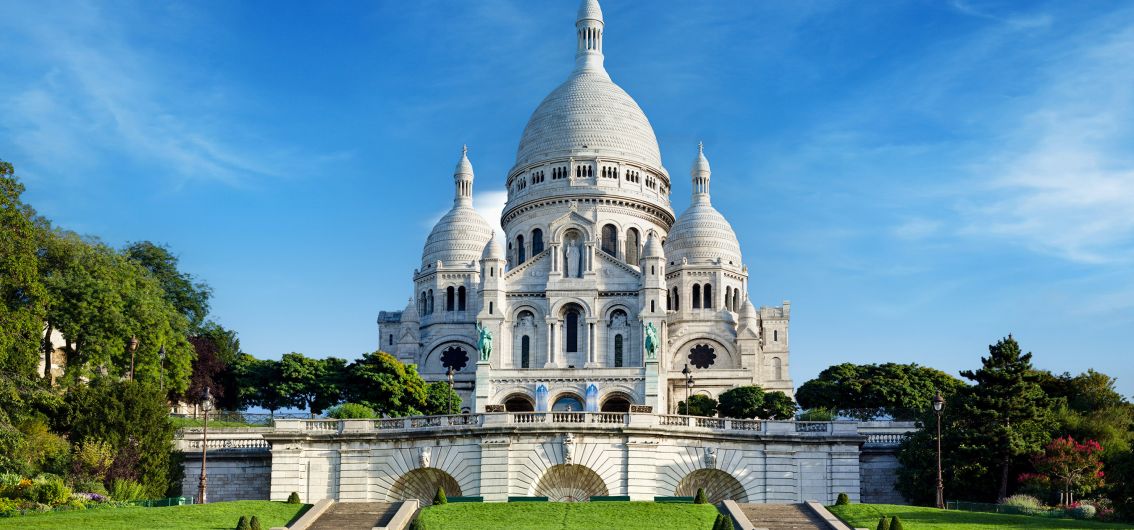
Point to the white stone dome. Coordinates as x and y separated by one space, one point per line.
459 236
590 114
701 234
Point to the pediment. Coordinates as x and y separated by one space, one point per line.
531 275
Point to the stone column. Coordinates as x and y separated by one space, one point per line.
590 344
550 344
483 387
289 471
494 468
641 468
354 474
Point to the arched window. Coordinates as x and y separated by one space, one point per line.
778 368
461 298
391 341
422 305
520 257
728 298
449 298
430 300
668 301
676 300
526 352
775 335
632 246
708 296
610 240
696 296
736 299
537 241
572 331
618 351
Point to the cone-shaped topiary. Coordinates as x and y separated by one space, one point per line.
242 524
293 498
895 523
724 522
883 524
843 500
701 498
416 525
254 524
439 498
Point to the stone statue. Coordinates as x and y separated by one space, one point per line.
570 260
568 447
710 457
651 341
483 342
423 456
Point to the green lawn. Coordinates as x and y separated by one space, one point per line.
220 515
920 518
568 516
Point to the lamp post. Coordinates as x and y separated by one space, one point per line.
206 406
133 347
938 407
449 398
688 387
161 380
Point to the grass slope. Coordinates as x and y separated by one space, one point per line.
921 518
215 516
568 516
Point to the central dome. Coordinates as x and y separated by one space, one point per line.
589 113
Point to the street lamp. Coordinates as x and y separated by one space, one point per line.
161 381
938 407
449 398
206 406
688 387
133 347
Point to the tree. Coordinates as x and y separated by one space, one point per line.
440 399
777 406
188 296
1006 409
741 402
218 352
22 294
699 405
381 382
313 384
1077 467
872 391
261 383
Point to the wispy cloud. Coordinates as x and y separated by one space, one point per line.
1014 20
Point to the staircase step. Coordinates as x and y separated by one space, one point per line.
782 516
356 516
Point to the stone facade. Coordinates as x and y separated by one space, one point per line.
592 255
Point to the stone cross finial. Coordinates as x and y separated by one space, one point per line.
701 147
464 149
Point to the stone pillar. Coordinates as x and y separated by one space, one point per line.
641 468
354 477
289 471
494 468
590 344
483 387
781 482
550 344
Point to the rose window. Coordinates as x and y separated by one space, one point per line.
454 357
702 356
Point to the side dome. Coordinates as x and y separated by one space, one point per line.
459 236
701 234
589 113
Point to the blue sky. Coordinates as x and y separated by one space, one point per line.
919 178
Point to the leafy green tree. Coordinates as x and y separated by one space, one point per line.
699 405
777 406
261 383
379 381
224 345
132 417
1006 408
312 384
871 391
741 402
22 294
188 296
440 399
350 411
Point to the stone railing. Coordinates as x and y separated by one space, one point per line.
222 440
884 439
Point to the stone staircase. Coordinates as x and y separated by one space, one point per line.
356 516
782 517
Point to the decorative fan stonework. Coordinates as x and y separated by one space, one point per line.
422 484
454 357
718 486
702 356
570 483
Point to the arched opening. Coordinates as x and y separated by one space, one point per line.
430 300
696 296
520 257
570 483
537 241
568 403
449 296
571 330
422 484
708 296
518 403
632 245
422 305
461 298
616 403
728 298
618 351
777 368
736 300
718 486
526 352
610 240
676 300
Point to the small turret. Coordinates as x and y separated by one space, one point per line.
463 179
589 29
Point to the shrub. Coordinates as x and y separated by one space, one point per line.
243 524
699 405
351 411
8 507
701 498
817 414
255 523
90 486
92 459
723 522
293 498
843 500
1083 511
895 523
126 490
439 498
416 524
883 524
50 491
1022 501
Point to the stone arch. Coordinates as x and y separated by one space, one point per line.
726 358
432 362
558 231
616 402
570 483
519 402
568 395
718 486
422 484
